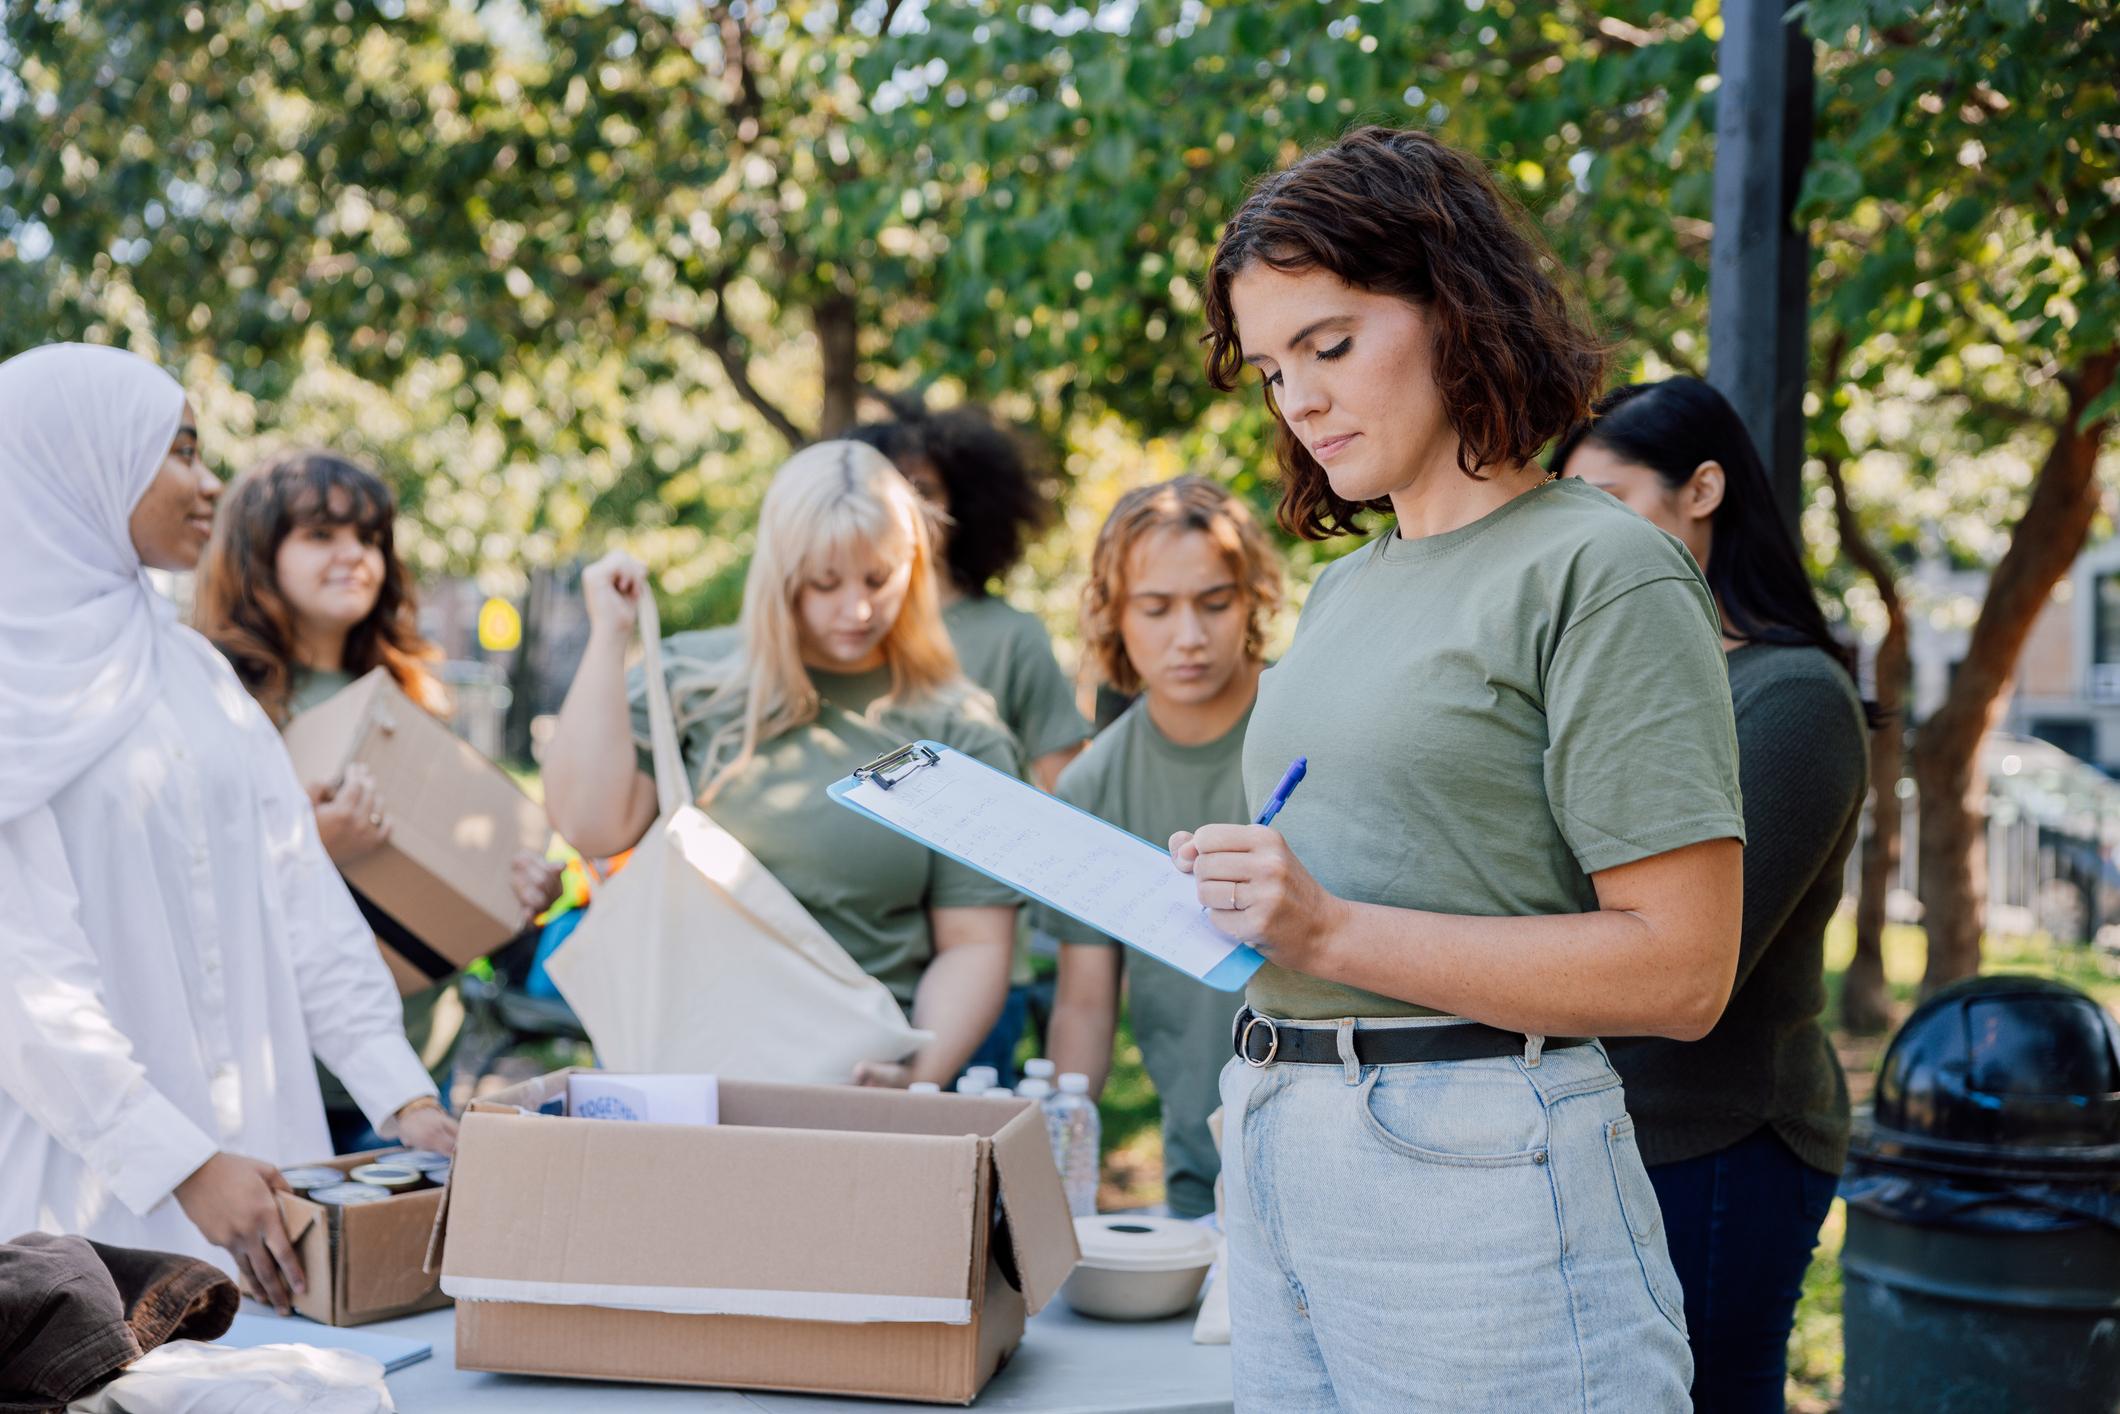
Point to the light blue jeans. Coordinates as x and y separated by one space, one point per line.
1453 1236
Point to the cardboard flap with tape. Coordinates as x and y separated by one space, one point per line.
456 823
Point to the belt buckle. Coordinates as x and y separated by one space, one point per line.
1273 1042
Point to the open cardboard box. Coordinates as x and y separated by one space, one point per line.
827 1239
438 892
366 1262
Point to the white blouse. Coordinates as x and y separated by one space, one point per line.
174 944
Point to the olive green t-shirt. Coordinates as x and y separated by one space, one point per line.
1007 652
1492 715
868 886
435 1046
1140 780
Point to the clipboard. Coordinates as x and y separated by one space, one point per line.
1047 850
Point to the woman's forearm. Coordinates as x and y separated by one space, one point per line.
592 792
1085 1012
959 999
1619 971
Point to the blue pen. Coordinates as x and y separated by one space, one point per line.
1282 791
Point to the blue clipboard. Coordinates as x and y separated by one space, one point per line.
899 770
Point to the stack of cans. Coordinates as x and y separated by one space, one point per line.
398 1171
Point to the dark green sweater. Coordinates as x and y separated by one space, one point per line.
1803 753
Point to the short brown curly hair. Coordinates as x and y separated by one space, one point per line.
1402 213
1182 503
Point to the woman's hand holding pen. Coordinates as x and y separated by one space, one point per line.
1256 890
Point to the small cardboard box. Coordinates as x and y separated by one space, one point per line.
438 892
825 1239
366 1262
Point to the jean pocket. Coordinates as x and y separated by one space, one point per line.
1443 1113
1645 1220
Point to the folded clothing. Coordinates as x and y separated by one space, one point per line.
74 1312
185 1377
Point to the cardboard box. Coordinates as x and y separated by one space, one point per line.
438 892
825 1239
366 1262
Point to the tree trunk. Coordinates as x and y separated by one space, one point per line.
522 670
1946 751
1865 999
837 341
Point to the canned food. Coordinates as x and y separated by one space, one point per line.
438 1175
314 1176
391 1178
346 1195
420 1158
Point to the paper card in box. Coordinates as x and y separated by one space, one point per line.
457 821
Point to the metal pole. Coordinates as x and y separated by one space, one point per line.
1759 263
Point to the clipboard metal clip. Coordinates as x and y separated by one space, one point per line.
892 767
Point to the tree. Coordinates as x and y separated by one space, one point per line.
1967 174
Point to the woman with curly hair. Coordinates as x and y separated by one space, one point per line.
981 481
303 592
1181 586
1520 829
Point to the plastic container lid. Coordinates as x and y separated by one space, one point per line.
1034 1089
1130 1242
1074 1083
1040 1069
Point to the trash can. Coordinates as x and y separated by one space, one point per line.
1982 1262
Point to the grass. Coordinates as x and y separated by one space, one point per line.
1133 1139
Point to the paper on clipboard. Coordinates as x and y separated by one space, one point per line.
1116 882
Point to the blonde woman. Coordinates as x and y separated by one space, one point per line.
839 656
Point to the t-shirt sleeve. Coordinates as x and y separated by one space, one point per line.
1641 754
1042 709
1074 788
955 885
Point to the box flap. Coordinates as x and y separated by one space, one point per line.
1041 1233
322 740
380 1249
805 1224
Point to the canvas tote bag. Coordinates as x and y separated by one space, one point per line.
694 958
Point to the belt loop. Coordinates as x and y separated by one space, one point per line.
1533 1047
1347 1055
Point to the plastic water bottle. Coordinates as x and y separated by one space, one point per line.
1071 1120
1039 1069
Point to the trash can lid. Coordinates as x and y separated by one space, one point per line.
2003 1076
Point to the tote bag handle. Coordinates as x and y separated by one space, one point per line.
673 788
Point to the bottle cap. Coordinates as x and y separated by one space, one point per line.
1074 1083
1041 1068
970 1085
1034 1089
985 1074
923 1087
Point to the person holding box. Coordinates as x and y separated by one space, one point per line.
1520 828
840 656
1182 582
303 592
176 943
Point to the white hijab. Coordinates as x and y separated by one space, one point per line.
83 430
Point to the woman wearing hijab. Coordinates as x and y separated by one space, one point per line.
176 943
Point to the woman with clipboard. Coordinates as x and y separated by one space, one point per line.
840 655
1520 827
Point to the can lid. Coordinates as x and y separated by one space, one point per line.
1130 1242
386 1175
339 1194
311 1176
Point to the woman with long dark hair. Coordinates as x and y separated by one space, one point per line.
303 592
1745 1130
1520 828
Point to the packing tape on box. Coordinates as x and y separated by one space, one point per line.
843 1307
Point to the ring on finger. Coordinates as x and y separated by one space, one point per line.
1234 906
375 818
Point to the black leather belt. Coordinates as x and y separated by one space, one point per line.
1262 1041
